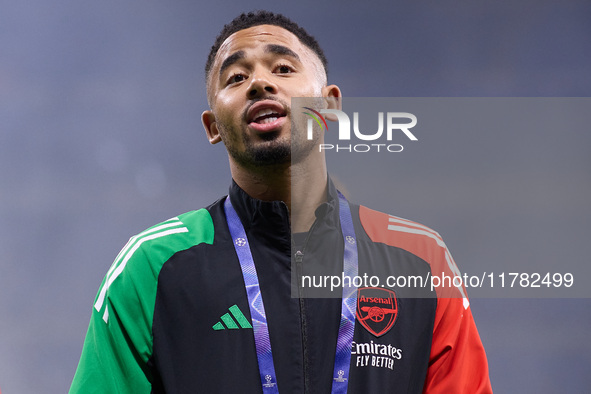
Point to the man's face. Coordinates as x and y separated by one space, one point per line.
255 74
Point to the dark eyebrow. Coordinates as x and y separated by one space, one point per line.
233 58
281 50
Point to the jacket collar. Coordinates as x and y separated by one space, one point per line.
274 214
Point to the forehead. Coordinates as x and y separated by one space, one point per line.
258 37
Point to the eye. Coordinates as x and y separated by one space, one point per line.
283 69
236 78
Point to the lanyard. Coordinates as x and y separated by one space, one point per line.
257 308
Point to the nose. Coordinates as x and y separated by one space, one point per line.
261 83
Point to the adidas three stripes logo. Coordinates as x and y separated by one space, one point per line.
230 323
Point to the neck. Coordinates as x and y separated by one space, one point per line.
302 187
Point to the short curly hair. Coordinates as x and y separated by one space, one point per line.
246 20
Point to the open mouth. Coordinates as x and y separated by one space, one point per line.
266 116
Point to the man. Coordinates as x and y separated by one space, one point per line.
202 303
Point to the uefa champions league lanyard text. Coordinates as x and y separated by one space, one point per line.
257 308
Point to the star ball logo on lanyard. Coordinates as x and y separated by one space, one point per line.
257 308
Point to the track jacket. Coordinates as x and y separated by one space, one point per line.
172 313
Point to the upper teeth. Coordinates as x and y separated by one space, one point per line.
263 112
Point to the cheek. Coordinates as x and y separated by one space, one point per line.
223 103
225 108
312 87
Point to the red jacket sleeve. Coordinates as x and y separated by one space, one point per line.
457 362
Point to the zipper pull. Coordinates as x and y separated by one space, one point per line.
299 256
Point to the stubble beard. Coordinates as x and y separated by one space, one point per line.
275 150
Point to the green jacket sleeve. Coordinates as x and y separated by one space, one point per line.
119 342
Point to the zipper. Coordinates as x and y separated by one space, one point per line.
299 258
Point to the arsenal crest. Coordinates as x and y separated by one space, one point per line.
377 309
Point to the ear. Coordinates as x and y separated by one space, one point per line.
211 128
332 94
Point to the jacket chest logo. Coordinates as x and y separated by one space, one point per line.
377 309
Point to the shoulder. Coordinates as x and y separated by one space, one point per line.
148 250
136 268
414 237
159 242
419 240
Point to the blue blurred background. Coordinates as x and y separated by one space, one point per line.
100 137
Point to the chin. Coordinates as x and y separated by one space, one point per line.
273 155
273 151
270 135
